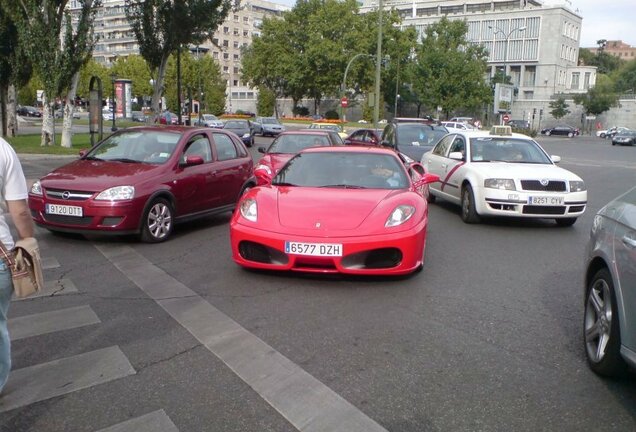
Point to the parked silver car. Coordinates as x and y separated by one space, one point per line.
610 288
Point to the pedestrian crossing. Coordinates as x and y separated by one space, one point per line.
51 378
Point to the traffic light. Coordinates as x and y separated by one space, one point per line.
541 112
534 111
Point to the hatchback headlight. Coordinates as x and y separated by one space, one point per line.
496 183
249 209
117 193
400 215
577 186
36 188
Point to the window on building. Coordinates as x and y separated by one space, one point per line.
586 80
226 56
529 76
236 18
236 44
246 20
215 55
236 57
236 32
226 69
575 80
236 69
246 33
226 43
226 30
235 83
528 94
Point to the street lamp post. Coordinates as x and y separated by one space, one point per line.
113 78
378 68
505 60
397 89
343 87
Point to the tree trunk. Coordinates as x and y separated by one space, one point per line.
11 108
3 111
69 107
158 89
48 122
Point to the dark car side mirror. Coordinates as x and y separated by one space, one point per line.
262 149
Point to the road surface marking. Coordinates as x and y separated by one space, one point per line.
49 322
53 288
156 421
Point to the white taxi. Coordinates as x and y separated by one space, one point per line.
500 173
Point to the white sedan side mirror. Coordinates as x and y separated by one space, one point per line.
555 159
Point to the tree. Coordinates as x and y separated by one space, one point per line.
450 71
57 48
625 78
599 98
266 102
559 108
164 26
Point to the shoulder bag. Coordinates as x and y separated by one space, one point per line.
26 266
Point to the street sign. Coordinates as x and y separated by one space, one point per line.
344 102
505 118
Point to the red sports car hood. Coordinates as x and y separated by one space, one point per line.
92 175
327 209
276 160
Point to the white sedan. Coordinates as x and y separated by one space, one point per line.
499 173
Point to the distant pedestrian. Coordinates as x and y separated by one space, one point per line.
13 198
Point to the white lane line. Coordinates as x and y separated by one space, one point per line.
53 288
50 263
66 375
156 421
308 404
49 322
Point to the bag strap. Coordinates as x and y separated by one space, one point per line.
8 256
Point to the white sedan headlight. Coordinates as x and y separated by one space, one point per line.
577 186
400 215
36 188
117 193
497 183
249 209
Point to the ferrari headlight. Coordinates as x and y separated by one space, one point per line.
36 188
117 193
497 183
264 167
577 186
400 215
249 209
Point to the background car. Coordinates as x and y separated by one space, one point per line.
28 111
412 138
608 133
518 124
59 113
289 143
209 120
242 128
168 118
609 332
267 126
562 130
107 114
626 137
143 180
138 116
349 210
331 126
364 137
470 120
457 126
500 173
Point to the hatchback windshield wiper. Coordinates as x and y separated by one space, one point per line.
125 160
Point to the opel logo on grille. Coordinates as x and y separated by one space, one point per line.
66 194
544 182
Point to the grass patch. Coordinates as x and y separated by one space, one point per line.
31 144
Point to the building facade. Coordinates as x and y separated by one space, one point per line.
617 48
536 44
116 39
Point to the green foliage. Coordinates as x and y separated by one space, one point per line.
559 108
302 111
599 98
332 115
266 102
27 94
450 71
90 69
625 77
15 67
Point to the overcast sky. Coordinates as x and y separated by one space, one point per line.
602 19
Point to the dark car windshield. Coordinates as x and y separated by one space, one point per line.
293 143
343 170
136 146
414 134
236 124
627 133
485 149
270 120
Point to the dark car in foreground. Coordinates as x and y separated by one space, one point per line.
562 130
242 128
626 137
609 331
143 180
412 138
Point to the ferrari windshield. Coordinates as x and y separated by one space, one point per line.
136 146
343 170
486 149
293 143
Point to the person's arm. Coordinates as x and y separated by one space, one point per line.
21 216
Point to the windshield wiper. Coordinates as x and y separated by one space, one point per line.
92 158
125 160
284 184
343 186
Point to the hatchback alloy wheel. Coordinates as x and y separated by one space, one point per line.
157 222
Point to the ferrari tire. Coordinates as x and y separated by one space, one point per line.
468 211
157 223
601 330
565 222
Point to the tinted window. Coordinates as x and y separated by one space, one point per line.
199 146
293 143
237 124
442 146
225 148
413 134
137 146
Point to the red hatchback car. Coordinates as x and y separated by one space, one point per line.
287 144
142 181
357 210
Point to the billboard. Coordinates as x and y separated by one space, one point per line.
503 98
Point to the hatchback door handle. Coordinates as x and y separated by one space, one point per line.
629 242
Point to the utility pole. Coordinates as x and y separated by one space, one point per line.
378 68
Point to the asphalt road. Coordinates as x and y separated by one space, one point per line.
486 338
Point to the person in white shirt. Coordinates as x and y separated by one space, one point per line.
13 200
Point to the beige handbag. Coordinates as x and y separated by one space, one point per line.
26 267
